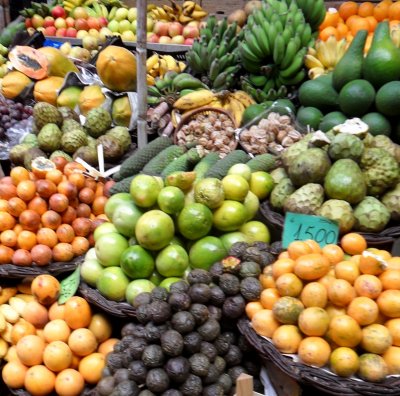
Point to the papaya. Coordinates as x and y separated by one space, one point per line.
29 61
69 97
121 111
47 90
90 98
116 67
59 64
14 83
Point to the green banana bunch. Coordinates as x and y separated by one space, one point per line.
275 41
214 57
41 9
314 11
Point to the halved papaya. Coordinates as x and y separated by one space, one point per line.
29 61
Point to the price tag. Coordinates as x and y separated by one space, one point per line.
69 286
300 227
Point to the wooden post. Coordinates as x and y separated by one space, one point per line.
141 50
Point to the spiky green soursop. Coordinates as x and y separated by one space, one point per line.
344 145
98 121
88 154
280 192
392 201
381 170
371 215
307 199
31 139
339 211
70 125
384 142
72 140
112 148
123 136
278 174
49 138
45 113
60 153
310 166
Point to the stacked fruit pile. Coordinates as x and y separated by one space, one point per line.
186 341
48 213
335 305
50 347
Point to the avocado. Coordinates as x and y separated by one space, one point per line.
226 382
235 371
213 390
210 330
192 342
199 364
142 298
179 301
234 356
105 386
160 311
220 364
222 344
229 284
216 270
237 249
127 329
234 307
217 296
208 349
172 343
121 374
178 369
172 392
320 94
153 332
249 269
137 347
199 312
143 313
250 288
153 356
192 386
199 276
125 343
183 322
181 286
126 388
215 312
200 293
106 372
146 392
139 331
114 361
138 371
159 293
157 380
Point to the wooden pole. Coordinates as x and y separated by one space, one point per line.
141 50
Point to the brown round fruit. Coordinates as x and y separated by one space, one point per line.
83 210
63 252
41 254
65 233
58 202
38 204
98 205
82 226
86 195
22 258
30 220
51 219
60 163
45 188
46 289
69 215
68 189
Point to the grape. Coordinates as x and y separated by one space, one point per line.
12 112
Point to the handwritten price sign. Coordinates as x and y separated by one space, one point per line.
69 286
300 227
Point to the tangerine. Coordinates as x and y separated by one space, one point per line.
30 350
282 266
6 254
80 245
311 266
341 292
7 222
91 367
347 9
69 382
392 359
314 294
65 233
333 253
39 380
289 285
63 252
314 351
269 297
264 323
347 270
16 206
26 240
368 286
47 236
107 346
345 331
298 248
13 374
18 174
8 238
82 342
390 279
57 356
353 243
344 361
287 338
54 176
394 328
26 190
77 312
7 191
253 307
364 310
389 303
376 338
38 204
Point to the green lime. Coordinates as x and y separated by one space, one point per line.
136 287
252 204
387 99
206 251
104 228
356 97
171 200
243 170
172 261
144 190
112 283
195 221
331 119
125 217
229 216
378 124
177 241
167 282
156 278
232 237
256 231
261 184
114 201
252 112
137 262
91 270
309 117
235 187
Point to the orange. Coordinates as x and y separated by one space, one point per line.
314 351
55 176
56 330
381 10
264 323
18 174
298 248
372 22
390 279
82 342
353 243
368 286
5 206
394 327
331 19
366 9
376 338
359 24
364 310
389 303
57 356
39 380
393 263
266 280
26 240
282 266
47 236
311 266
345 331
333 253
252 308
289 285
342 30
392 359
341 292
21 329
56 311
347 270
371 265
344 361
314 321
287 338
328 32
347 9
16 206
7 222
30 350
269 297
6 254
284 254
69 382
314 294
394 11
333 310
77 312
107 346
13 374
91 367
26 190
8 238
313 245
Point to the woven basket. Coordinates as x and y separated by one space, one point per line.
315 377
382 240
117 309
22 392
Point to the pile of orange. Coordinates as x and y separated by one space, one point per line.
48 214
55 347
336 306
352 17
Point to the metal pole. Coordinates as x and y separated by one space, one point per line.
141 50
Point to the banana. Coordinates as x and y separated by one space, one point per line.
194 100
198 14
111 14
246 53
295 79
97 8
214 69
216 103
251 41
243 97
294 67
316 72
257 80
184 19
324 55
104 11
151 62
306 35
150 80
279 49
263 40
312 62
182 66
163 67
290 52
236 108
171 63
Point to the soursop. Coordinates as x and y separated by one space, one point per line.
70 125
344 145
88 154
49 138
31 139
381 170
122 135
392 201
98 121
339 211
60 153
68 113
278 174
45 113
307 199
72 140
310 166
280 192
112 148
371 215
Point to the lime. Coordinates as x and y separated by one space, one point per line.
206 251
283 107
252 204
243 170
378 124
209 192
252 112
104 228
256 231
189 196
154 230
195 221
112 283
125 218
136 287
114 201
331 119
177 241
171 200
172 261
235 187
137 262
156 278
91 270
229 216
309 117
132 241
167 282
144 190
91 254
261 184
356 97
387 99
109 248
232 237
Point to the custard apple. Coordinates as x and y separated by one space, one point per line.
307 199
344 145
112 147
60 153
122 135
68 113
280 192
88 154
371 215
98 121
384 142
310 166
70 124
339 211
278 174
49 138
31 139
295 149
45 113
381 170
92 142
392 201
72 140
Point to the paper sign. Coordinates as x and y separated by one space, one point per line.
69 286
300 227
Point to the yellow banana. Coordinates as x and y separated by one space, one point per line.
182 66
243 97
150 80
323 54
188 9
104 10
331 46
216 103
341 48
316 72
163 67
151 62
194 100
311 61
236 108
151 6
171 63
198 7
198 14
185 19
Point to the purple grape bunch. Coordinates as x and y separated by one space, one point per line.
11 113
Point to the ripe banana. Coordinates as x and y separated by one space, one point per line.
194 100
243 97
189 11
